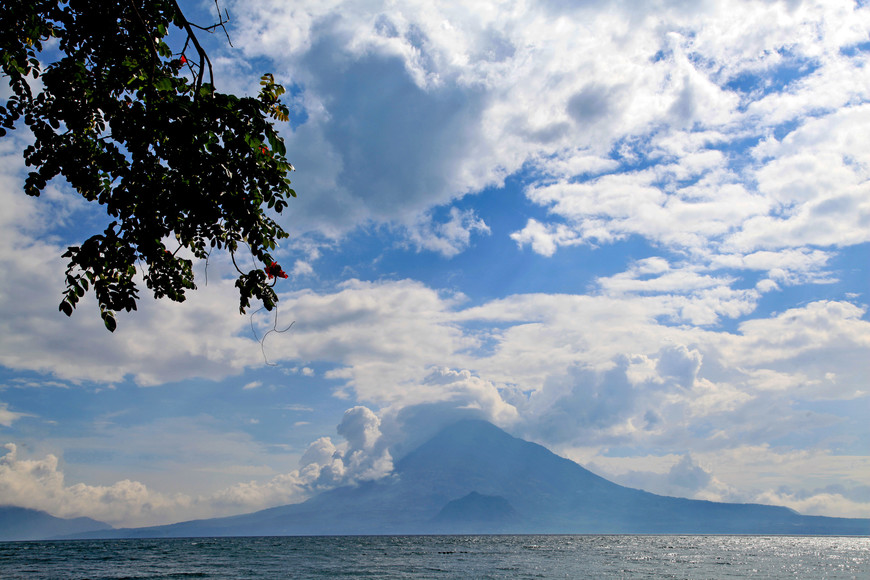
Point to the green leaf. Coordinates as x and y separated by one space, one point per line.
109 321
163 84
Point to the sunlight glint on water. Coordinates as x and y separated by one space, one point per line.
443 557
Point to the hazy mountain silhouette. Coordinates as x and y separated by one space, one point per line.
474 512
17 523
474 478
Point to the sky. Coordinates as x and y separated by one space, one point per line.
637 233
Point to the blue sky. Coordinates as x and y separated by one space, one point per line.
636 233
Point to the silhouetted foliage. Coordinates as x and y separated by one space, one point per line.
140 129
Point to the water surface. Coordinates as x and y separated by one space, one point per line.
467 557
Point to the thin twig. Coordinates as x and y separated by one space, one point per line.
274 328
207 256
221 23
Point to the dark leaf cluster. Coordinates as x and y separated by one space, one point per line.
143 132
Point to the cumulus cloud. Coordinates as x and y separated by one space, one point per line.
41 483
599 368
162 342
534 336
808 343
693 95
545 239
448 238
8 417
722 477
819 504
679 363
592 401
362 456
509 84
443 397
302 268
817 178
684 478
411 105
360 427
168 341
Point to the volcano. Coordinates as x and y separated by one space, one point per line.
472 477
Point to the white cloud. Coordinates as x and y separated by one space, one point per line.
457 390
790 267
680 363
324 465
508 83
361 427
817 178
597 367
369 328
41 483
362 456
8 417
545 239
809 342
448 238
663 279
301 268
410 105
684 477
478 93
653 203
746 474
820 504
161 342
295 407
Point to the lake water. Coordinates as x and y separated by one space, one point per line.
464 557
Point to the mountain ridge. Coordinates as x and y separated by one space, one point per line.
545 493
18 524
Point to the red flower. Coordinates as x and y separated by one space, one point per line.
273 270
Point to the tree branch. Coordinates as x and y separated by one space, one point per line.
203 55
